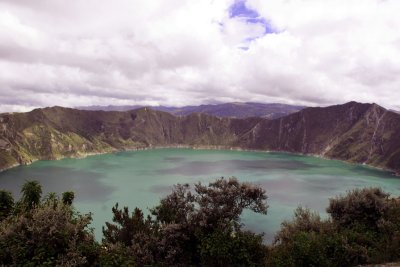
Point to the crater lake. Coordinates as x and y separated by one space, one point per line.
142 178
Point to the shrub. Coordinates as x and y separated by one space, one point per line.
364 228
31 193
68 197
366 207
187 225
222 248
6 204
116 255
47 236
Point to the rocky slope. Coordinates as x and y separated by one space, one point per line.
354 132
361 133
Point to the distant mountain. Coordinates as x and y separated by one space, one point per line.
234 110
110 108
354 132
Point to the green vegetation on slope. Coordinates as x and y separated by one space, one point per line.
198 226
359 133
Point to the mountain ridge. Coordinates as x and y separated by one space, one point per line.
232 109
353 132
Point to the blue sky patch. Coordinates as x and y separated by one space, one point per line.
239 9
251 16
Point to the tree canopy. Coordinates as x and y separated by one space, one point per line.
198 226
185 228
6 204
31 194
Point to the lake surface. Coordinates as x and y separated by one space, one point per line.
141 178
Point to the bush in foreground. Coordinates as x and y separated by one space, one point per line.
46 236
6 204
363 228
199 226
45 232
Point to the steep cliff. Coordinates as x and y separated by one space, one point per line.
361 133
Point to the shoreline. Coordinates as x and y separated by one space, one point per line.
200 147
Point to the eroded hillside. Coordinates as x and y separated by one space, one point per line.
361 133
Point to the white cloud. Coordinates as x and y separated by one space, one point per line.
183 52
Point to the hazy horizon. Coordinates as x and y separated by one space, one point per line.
181 106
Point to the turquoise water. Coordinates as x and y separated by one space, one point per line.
141 178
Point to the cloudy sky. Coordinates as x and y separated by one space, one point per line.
180 52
